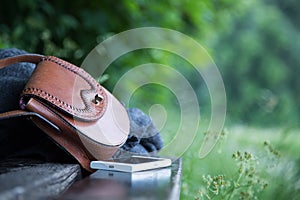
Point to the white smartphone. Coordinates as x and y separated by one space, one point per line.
132 164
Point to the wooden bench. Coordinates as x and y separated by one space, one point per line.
29 179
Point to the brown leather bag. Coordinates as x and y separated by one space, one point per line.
72 108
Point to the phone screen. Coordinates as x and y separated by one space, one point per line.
132 164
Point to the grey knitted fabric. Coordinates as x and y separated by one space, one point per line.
13 80
144 138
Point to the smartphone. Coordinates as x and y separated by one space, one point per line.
132 164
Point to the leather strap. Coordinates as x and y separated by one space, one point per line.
31 58
26 114
15 114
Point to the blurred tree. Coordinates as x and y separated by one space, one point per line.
257 57
255 45
72 30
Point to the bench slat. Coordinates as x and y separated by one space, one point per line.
24 179
27 179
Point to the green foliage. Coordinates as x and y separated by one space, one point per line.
254 44
257 58
72 30
263 166
247 183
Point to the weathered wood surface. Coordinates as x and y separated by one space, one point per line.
160 184
24 179
32 180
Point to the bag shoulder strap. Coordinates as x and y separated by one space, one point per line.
31 58
22 113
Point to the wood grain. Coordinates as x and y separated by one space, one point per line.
28 179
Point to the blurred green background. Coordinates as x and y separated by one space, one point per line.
255 45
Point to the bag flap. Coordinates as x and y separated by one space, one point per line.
66 88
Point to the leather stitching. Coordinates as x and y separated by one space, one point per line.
86 113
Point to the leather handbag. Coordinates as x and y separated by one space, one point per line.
72 108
